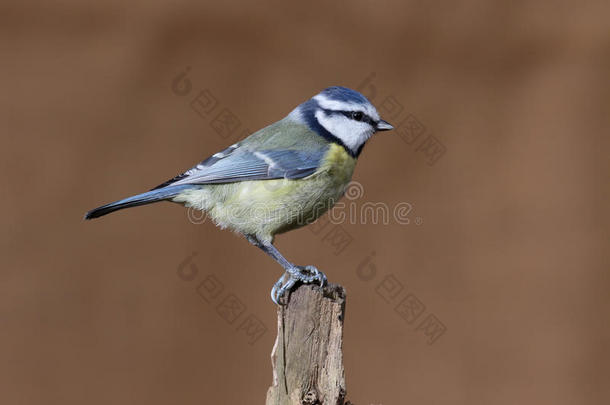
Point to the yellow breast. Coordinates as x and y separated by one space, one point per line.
339 164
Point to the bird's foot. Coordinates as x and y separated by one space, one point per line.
303 274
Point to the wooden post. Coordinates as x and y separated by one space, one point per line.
307 358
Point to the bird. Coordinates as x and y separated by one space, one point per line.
278 179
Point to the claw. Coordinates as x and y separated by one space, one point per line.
303 274
274 291
316 276
280 288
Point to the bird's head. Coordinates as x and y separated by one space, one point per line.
343 116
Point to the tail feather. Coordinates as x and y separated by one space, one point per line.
137 200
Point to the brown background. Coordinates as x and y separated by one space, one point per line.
511 256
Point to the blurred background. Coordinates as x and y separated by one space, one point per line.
489 283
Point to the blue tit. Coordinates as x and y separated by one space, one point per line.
280 178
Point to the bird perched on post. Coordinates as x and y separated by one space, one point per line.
280 178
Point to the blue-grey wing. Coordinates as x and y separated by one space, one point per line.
240 164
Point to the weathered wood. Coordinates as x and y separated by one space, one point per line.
307 356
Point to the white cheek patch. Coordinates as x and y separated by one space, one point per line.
352 133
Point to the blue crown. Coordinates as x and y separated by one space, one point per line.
339 93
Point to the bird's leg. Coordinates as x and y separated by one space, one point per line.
294 273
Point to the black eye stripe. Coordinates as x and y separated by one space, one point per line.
348 114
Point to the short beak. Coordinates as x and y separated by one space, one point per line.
383 126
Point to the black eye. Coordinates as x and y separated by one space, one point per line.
357 115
